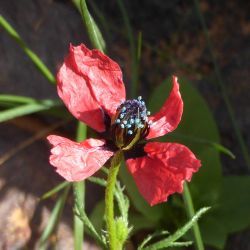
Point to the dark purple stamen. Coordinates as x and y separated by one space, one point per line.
130 123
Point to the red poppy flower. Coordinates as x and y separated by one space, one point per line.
90 84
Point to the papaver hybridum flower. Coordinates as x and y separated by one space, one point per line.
91 86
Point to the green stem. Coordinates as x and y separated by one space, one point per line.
109 201
221 84
79 192
79 188
190 211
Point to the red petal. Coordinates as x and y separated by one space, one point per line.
77 161
163 171
90 83
169 116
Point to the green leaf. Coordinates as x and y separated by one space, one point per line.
152 236
233 209
27 109
231 214
122 200
17 99
197 122
34 58
98 181
94 32
214 231
54 218
96 216
55 190
170 240
220 148
140 222
79 211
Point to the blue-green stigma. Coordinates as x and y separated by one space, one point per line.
130 123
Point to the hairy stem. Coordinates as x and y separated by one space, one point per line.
109 201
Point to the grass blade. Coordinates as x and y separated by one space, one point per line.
80 213
34 58
94 32
55 190
219 147
54 218
17 99
222 87
178 234
27 109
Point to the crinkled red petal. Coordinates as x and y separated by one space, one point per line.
90 84
163 170
77 161
169 116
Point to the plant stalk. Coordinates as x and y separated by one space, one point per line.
190 211
79 192
109 201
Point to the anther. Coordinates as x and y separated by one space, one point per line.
137 121
130 123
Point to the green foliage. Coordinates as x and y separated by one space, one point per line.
170 241
55 190
26 109
231 214
33 57
197 122
80 212
122 230
54 218
228 196
93 30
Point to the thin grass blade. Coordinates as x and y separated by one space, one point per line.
54 218
55 190
178 234
27 109
33 57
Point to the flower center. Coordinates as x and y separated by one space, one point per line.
130 123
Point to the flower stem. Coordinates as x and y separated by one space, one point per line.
109 201
190 211
79 193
